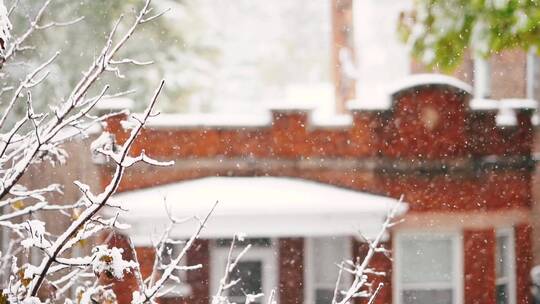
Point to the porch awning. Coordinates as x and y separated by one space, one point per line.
255 206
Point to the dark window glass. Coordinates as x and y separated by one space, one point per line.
324 296
502 294
259 242
250 275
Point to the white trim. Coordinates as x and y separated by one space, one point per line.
482 77
511 256
309 257
268 256
457 245
309 265
530 70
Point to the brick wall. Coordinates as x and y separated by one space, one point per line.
479 266
291 271
523 262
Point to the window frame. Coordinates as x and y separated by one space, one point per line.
457 263
511 265
530 73
310 286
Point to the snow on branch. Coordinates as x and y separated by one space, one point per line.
362 287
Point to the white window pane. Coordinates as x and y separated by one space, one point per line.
328 252
426 260
501 256
442 296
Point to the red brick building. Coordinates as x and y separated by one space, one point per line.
466 178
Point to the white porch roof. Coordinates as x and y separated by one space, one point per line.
256 206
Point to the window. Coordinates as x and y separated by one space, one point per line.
250 274
170 252
321 274
428 268
256 242
256 270
504 268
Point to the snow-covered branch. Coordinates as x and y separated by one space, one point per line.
34 137
362 286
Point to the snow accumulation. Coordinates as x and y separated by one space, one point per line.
332 121
258 206
416 80
292 106
209 120
484 104
519 103
110 261
383 100
506 117
226 120
377 104
37 232
506 109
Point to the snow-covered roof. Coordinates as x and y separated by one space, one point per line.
506 118
291 106
507 111
379 104
228 120
416 80
257 206
519 103
332 121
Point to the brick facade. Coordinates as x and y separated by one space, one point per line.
449 162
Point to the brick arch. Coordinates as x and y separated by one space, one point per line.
428 122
